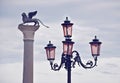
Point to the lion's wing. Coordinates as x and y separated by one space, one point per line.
31 14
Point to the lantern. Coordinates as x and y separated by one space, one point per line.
95 47
67 28
67 47
50 51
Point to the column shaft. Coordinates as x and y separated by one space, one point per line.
28 34
28 62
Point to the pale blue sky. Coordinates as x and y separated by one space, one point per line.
90 17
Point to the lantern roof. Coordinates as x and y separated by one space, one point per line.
95 41
67 22
68 41
50 45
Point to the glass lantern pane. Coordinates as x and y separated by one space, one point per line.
64 30
47 52
70 49
95 49
65 48
69 29
98 49
52 53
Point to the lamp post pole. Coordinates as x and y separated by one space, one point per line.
68 60
69 69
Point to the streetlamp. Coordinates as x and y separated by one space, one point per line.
67 58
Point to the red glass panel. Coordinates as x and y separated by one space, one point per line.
67 48
50 53
95 49
67 30
70 49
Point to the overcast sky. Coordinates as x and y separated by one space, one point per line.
90 18
105 72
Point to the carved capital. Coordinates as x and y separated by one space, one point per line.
28 31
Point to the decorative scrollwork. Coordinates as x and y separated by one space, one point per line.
73 61
89 63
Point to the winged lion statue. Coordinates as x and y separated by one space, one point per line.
29 18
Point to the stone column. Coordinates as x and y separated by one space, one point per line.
28 34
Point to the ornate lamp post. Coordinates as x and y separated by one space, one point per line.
67 58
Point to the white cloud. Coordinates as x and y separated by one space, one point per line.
107 71
36 2
90 18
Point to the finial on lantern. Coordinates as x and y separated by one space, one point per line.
49 42
66 18
95 37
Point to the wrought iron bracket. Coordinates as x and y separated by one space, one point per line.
77 59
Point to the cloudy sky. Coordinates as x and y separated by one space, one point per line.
105 72
90 18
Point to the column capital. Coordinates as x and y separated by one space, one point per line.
28 31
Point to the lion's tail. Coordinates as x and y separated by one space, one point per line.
43 23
